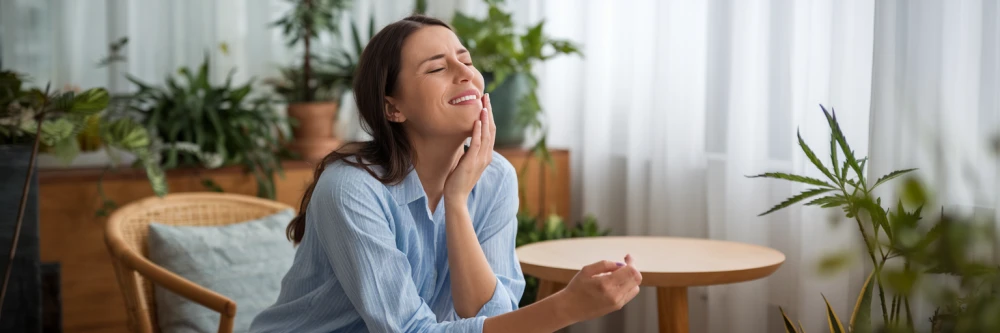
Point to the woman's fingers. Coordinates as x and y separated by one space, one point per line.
493 123
477 140
489 130
599 267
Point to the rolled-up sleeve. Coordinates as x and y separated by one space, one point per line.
497 238
354 231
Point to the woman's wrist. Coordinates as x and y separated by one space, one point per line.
564 307
455 200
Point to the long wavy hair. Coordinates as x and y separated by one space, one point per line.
375 79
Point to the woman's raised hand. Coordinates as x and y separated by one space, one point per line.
480 154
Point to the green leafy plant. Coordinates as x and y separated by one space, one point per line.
53 119
894 236
345 61
199 124
500 51
530 229
303 24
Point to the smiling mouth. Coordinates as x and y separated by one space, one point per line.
462 99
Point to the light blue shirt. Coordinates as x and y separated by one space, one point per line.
374 258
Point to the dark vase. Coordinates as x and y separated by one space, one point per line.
22 308
506 105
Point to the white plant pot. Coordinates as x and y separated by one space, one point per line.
89 159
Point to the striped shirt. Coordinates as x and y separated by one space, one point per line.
374 258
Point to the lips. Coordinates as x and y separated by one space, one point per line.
466 97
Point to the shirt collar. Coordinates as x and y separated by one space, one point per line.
408 190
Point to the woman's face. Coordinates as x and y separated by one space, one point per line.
438 91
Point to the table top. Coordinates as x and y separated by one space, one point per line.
663 261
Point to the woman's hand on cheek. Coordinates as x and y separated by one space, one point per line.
475 160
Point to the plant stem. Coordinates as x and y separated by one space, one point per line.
877 267
895 309
20 211
909 316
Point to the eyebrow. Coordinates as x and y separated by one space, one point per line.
440 56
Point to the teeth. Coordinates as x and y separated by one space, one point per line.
463 99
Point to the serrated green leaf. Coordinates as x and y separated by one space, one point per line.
833 157
801 196
812 158
828 201
831 118
794 178
890 176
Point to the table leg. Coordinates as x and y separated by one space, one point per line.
672 305
546 288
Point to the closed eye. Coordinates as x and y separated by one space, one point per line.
436 70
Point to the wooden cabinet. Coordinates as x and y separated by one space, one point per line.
73 236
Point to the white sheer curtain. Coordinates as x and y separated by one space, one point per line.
676 102
936 102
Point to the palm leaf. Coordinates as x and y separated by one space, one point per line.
801 196
890 176
789 327
812 158
832 320
861 319
794 178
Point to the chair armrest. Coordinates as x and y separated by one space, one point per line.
175 283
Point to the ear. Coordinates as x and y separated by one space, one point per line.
392 113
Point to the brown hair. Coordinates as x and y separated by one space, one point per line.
374 79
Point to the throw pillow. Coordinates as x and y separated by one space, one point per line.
244 261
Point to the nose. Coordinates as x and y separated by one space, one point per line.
463 73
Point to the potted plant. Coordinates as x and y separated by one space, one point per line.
35 119
506 58
902 250
312 90
201 124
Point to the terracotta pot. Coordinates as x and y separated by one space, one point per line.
313 133
313 150
315 119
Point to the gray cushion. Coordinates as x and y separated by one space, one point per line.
244 261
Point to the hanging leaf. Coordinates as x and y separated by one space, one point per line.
801 196
55 130
65 150
90 102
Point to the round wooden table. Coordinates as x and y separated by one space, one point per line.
668 263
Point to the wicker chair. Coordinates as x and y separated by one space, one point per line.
126 236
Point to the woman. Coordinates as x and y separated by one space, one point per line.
412 231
